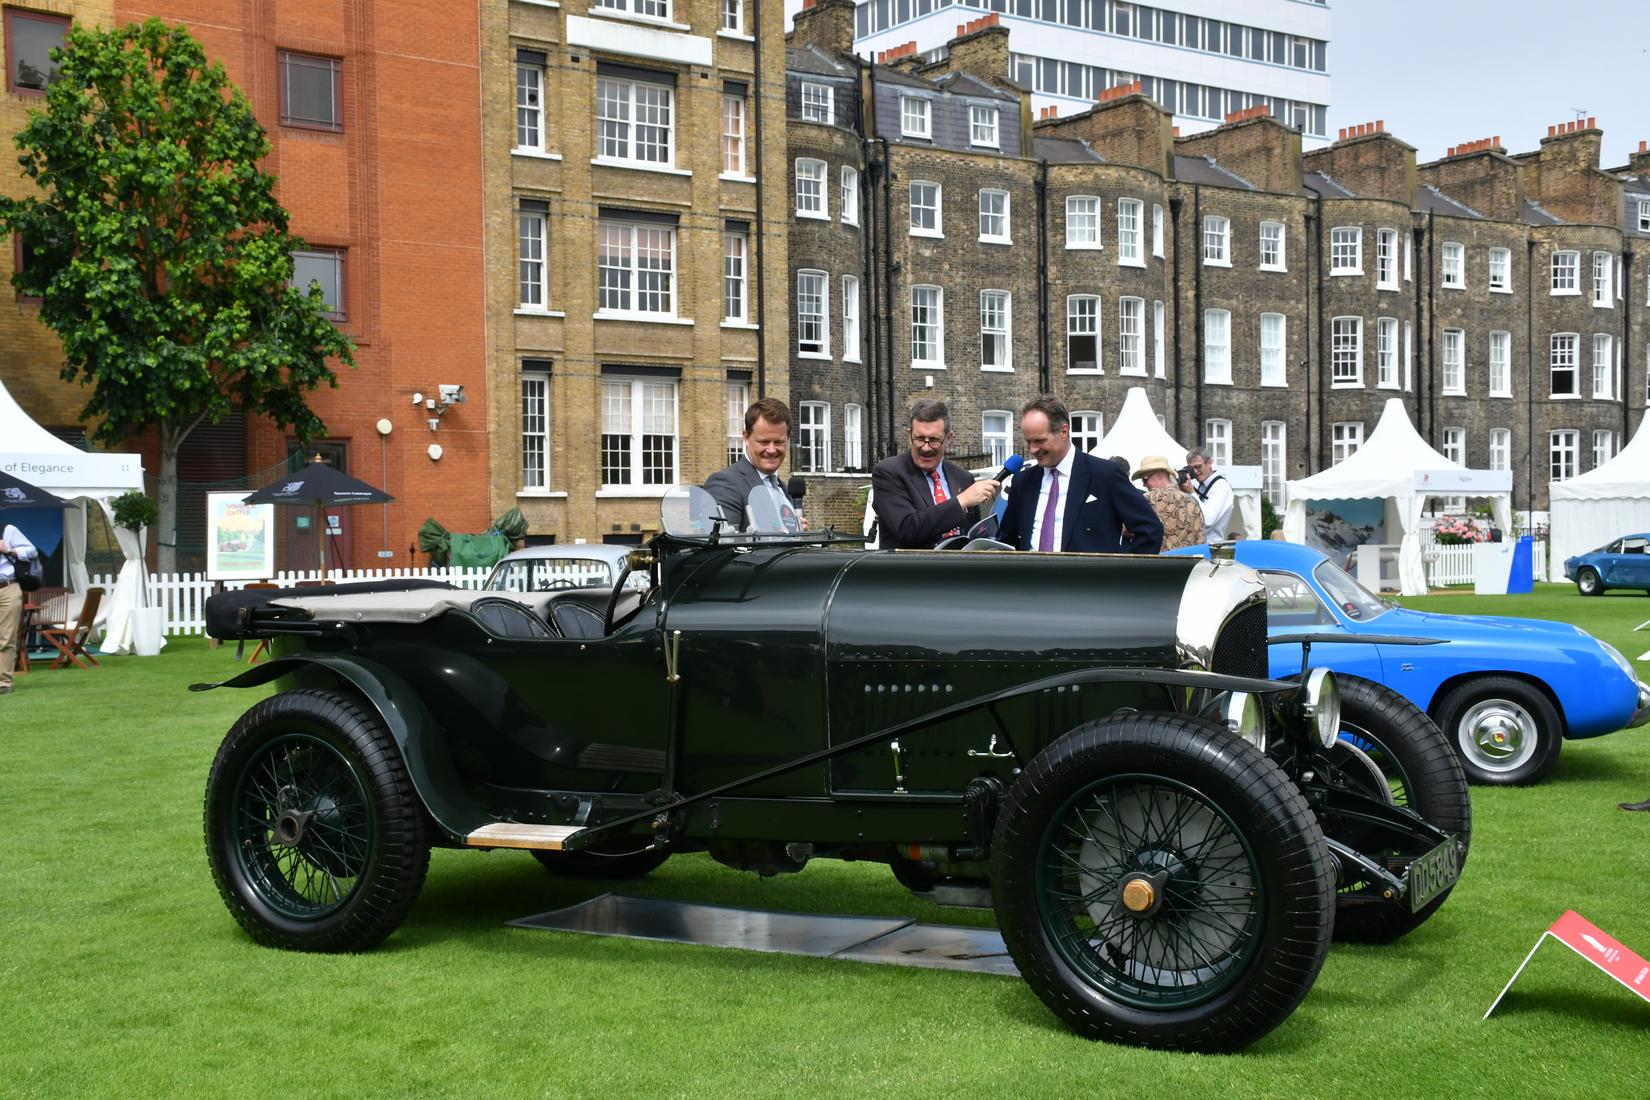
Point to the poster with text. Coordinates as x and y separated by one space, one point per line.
240 538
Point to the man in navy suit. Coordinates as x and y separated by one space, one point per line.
1071 500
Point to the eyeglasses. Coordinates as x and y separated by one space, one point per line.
928 442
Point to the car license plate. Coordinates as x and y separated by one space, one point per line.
1433 873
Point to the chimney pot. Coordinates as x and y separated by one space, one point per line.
1343 134
1380 126
1592 123
1550 131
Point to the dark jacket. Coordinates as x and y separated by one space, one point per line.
907 517
1092 526
731 486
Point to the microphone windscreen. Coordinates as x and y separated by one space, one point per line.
1013 463
797 488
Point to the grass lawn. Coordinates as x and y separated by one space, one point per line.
123 973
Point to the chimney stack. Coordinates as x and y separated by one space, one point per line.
826 24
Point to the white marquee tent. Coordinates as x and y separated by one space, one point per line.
1135 433
1604 503
30 452
1396 465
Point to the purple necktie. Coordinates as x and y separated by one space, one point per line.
1045 538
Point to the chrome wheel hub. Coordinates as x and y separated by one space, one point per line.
1497 734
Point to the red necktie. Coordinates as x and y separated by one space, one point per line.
940 497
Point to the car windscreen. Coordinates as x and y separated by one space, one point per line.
1355 601
549 574
1291 602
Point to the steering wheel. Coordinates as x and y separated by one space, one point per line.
556 584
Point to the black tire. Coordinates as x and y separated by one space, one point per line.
1239 919
1506 732
1418 769
618 860
315 835
1588 582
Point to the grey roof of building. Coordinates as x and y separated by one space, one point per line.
1325 186
966 84
1536 214
1205 170
812 59
1428 199
1636 184
1064 151
886 74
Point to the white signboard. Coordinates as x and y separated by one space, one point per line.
1463 483
65 472
240 538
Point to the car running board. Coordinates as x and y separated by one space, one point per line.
515 834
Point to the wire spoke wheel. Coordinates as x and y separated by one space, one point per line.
304 828
1151 891
315 835
1162 883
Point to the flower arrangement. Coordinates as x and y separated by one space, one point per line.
1458 531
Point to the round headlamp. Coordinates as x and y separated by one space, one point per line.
1320 702
1243 715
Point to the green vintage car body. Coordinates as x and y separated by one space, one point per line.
1085 742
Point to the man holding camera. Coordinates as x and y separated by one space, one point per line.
1211 490
15 549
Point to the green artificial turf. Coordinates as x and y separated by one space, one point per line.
123 974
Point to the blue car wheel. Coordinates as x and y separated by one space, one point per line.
1588 582
1506 732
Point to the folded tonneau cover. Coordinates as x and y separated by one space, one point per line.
229 614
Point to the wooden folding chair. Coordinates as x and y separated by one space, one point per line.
69 639
263 643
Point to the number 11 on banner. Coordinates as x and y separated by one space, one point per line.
1596 946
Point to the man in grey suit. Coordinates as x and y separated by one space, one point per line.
767 438
919 497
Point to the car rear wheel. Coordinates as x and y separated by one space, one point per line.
315 835
1390 749
619 860
1588 583
1161 883
1506 732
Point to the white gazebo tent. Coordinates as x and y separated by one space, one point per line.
1396 465
30 452
1135 433
1604 503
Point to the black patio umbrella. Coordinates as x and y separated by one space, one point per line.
320 486
17 493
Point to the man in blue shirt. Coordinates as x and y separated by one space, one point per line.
14 548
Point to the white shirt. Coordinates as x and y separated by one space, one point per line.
21 547
1214 500
1064 467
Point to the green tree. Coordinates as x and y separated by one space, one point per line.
159 252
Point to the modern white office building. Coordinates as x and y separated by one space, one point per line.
1203 59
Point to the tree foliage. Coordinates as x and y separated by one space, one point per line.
157 248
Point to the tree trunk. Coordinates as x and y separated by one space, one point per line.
166 550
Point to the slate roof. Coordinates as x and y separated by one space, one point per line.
1324 187
1205 170
1064 151
1536 214
811 59
1428 199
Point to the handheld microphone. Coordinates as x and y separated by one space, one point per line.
796 488
1011 466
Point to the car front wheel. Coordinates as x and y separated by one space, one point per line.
1588 583
1506 732
1161 883
315 835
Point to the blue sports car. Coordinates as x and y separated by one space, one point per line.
1624 563
1506 692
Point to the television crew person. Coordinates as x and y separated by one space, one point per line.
1212 492
14 548
920 497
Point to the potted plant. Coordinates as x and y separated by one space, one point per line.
135 512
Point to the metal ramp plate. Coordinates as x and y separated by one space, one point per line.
889 940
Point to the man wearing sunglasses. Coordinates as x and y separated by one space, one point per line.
918 496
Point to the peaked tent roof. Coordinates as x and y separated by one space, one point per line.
20 434
1136 433
1383 467
1626 475
37 456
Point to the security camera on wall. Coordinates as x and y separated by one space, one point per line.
452 395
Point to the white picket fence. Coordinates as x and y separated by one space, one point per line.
183 595
1453 564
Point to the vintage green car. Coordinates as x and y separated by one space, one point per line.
1086 743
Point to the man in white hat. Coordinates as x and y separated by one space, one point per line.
1182 520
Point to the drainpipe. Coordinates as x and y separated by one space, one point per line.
1175 203
761 235
871 320
1626 340
1197 317
1044 374
1316 439
1313 263
888 292
1529 378
1430 430
1415 238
